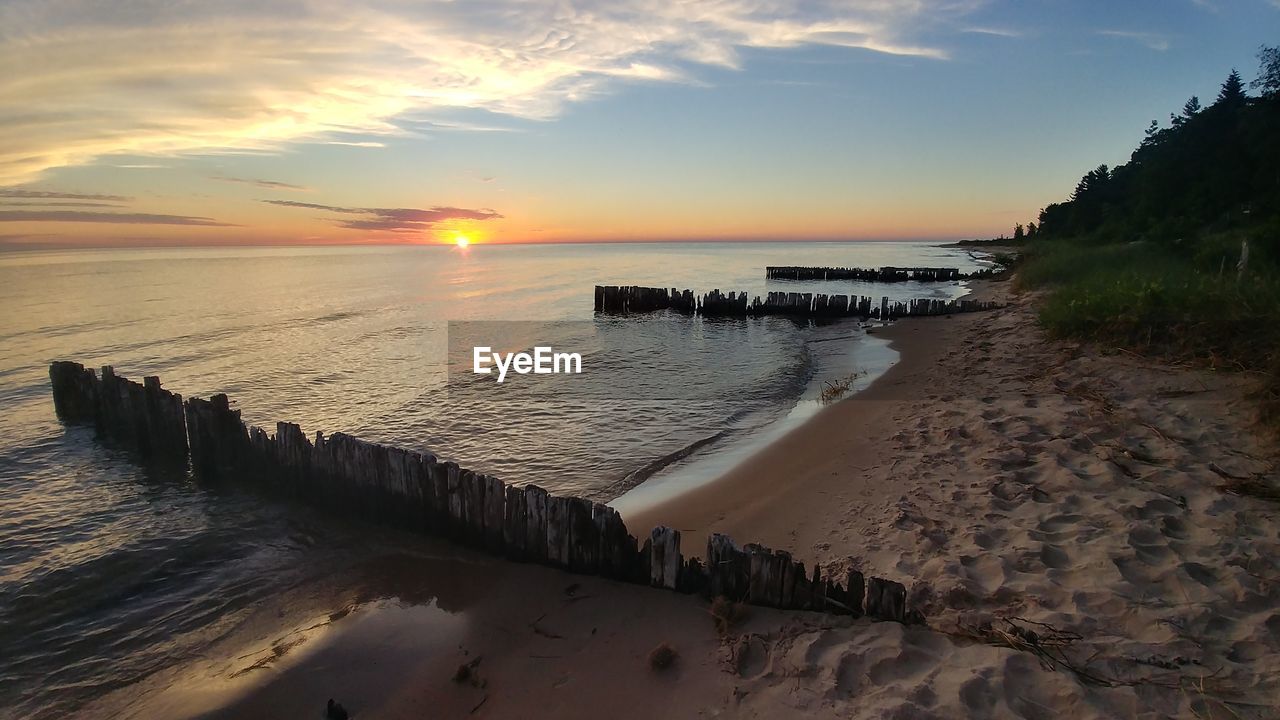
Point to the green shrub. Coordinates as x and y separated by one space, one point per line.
1175 301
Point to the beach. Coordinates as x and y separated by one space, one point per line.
874 360
998 474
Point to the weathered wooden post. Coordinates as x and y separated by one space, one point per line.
666 561
886 600
617 547
584 548
75 392
453 484
515 530
292 457
494 500
854 591
801 589
219 440
536 543
559 535
728 568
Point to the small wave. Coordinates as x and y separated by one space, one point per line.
639 475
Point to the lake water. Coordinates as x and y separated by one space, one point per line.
111 572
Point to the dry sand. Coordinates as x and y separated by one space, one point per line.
994 472
999 474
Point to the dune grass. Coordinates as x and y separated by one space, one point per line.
1183 303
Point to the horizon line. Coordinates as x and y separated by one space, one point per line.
19 247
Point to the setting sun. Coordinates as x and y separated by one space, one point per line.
461 240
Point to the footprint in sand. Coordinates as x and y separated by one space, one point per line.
1246 651
752 658
1202 574
1057 528
1174 528
977 695
1150 546
1054 557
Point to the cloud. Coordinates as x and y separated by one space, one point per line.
145 78
997 32
1153 41
11 239
267 184
52 195
394 219
57 203
106 217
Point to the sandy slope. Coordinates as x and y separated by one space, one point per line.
1006 475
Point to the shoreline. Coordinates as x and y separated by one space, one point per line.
997 473
871 354
750 502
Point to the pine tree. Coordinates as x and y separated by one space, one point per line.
1019 233
1092 181
1031 230
1189 110
1232 92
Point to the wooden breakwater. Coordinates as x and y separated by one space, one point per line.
884 274
632 299
629 299
417 491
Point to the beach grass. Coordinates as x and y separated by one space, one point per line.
1180 302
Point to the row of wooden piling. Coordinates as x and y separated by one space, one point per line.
633 299
884 274
418 491
622 300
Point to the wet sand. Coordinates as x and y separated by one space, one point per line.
791 492
386 637
997 473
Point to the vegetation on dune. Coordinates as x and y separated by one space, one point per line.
1177 252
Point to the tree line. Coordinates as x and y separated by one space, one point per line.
1211 169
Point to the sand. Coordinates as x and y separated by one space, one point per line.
999 474
996 473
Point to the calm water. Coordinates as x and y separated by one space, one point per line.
110 572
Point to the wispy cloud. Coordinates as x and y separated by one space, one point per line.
17 240
1151 40
394 219
57 203
267 184
144 78
54 195
74 216
997 32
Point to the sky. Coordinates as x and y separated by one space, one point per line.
237 122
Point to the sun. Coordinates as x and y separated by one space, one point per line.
461 240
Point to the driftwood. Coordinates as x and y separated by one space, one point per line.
416 491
